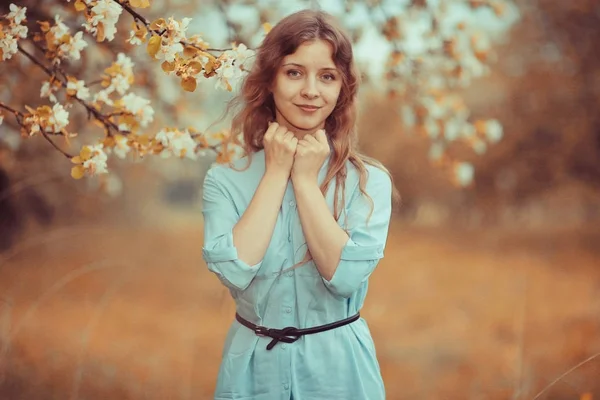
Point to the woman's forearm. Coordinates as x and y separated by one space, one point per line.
324 237
252 233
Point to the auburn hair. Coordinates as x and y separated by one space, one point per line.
257 108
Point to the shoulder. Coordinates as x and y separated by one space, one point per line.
240 170
377 178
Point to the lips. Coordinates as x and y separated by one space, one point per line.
306 107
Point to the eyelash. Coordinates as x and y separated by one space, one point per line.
331 76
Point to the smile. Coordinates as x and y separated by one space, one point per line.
308 108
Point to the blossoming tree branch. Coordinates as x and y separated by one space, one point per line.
424 85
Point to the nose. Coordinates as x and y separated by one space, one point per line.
310 90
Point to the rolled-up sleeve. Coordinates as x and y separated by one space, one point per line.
219 252
366 242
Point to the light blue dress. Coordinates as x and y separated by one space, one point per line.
336 364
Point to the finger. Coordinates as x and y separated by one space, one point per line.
280 132
311 139
321 136
288 136
271 130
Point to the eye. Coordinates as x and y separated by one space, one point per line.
329 77
293 73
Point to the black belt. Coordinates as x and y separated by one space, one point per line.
291 334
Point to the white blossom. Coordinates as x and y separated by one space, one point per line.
81 92
436 151
133 39
177 143
227 75
139 107
121 148
58 120
493 131
96 164
74 46
125 63
242 55
19 31
107 13
463 173
47 90
8 45
168 52
16 13
102 96
59 29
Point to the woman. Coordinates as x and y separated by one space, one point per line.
296 232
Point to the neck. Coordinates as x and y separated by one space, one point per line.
298 132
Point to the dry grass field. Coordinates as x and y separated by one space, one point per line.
109 311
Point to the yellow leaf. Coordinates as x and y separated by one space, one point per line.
158 24
44 25
153 45
140 3
188 84
85 153
210 67
167 66
195 67
267 27
109 141
76 160
190 51
80 5
100 32
77 172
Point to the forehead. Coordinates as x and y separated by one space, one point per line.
315 53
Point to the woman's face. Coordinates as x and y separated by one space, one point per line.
306 88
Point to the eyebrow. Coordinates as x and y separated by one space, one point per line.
302 66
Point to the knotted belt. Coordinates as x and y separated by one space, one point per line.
291 334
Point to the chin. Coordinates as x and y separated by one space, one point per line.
309 127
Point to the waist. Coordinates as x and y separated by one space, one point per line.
291 334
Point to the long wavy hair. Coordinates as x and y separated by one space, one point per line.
257 107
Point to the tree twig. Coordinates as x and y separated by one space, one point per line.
138 17
91 110
16 112
64 153
554 382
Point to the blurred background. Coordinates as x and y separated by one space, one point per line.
486 112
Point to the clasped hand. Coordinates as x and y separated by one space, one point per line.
300 159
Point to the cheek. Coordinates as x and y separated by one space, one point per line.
332 96
284 89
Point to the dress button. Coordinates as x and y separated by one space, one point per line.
292 203
283 346
288 310
286 386
290 273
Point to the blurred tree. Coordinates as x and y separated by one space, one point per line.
551 92
77 75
